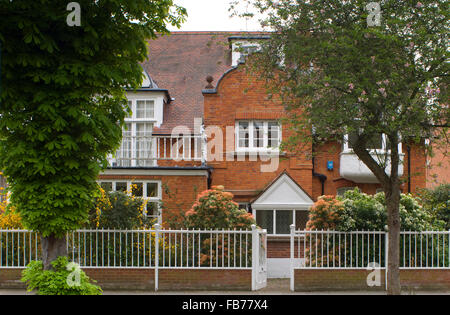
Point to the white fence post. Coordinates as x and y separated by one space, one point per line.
255 256
386 258
292 255
157 231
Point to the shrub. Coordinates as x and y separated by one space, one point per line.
215 209
9 218
325 214
117 210
55 282
368 213
437 202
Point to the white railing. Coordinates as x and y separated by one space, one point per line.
213 249
145 151
361 249
18 248
425 250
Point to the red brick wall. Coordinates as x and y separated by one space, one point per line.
144 279
356 279
439 168
193 279
123 279
10 278
241 95
282 249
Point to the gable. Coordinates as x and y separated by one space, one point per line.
283 194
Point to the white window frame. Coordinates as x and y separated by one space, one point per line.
157 199
133 117
383 150
251 147
274 213
133 121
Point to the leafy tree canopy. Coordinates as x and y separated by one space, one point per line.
62 98
346 75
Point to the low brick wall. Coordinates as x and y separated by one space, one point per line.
144 279
123 278
356 280
10 279
212 279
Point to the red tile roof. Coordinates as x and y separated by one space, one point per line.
180 63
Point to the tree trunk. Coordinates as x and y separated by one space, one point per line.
391 187
392 204
52 248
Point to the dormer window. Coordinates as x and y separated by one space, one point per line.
145 109
142 109
241 50
246 51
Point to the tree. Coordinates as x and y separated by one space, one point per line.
343 68
63 101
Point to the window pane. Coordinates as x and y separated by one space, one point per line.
152 209
301 218
264 219
152 190
284 220
137 189
243 135
121 186
274 135
258 134
106 186
145 109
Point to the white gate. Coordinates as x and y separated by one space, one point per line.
259 258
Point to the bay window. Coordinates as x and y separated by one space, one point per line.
137 145
149 191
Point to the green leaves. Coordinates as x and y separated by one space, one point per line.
62 99
55 282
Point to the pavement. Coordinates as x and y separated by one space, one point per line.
274 287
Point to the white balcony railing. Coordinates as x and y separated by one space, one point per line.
146 151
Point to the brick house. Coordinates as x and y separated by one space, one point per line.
164 154
233 111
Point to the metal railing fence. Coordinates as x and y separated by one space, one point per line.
360 249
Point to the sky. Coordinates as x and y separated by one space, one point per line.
213 15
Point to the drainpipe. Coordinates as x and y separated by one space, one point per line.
408 149
209 178
321 177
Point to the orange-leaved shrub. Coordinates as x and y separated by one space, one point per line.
325 214
215 209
